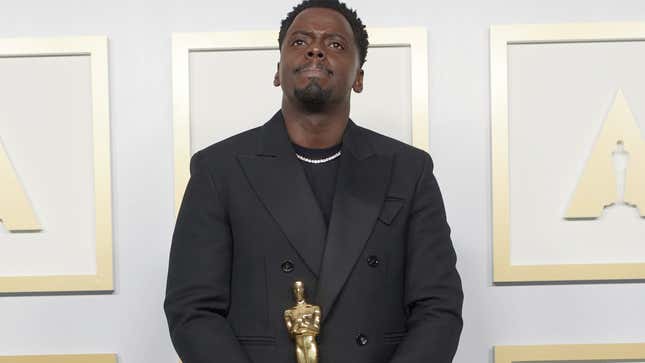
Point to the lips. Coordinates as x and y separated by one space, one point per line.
314 70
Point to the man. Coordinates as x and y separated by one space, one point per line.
310 196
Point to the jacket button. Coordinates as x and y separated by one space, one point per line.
287 266
373 261
361 340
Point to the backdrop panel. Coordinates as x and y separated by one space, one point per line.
581 353
222 85
54 129
560 92
87 358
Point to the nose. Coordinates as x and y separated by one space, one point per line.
316 53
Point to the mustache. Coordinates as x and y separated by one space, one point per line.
312 65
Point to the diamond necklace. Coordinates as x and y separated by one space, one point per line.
318 161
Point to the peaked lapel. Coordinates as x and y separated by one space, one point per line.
280 182
362 182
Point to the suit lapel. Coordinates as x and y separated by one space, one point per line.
362 181
279 181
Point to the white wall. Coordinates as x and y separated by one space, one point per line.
130 322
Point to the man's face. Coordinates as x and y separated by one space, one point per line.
319 60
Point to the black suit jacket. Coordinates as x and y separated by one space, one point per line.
249 226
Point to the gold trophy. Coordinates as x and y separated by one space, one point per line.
303 324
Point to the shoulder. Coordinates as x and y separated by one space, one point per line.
243 142
223 153
401 152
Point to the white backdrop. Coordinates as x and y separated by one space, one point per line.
559 97
41 141
217 112
130 322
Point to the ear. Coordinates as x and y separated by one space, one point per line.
358 82
276 78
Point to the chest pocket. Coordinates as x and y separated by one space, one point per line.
391 208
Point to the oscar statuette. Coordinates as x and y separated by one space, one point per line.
303 324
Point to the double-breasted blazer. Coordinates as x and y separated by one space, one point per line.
382 271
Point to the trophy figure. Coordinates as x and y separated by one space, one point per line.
303 324
620 158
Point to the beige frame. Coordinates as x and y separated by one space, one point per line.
87 358
570 353
500 37
97 49
184 43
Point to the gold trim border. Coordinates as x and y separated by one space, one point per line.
184 43
97 48
85 358
500 37
572 352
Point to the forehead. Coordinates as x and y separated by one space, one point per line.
322 20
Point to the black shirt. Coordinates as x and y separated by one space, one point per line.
321 176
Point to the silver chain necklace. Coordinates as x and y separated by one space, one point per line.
318 161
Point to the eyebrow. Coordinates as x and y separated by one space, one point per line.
311 34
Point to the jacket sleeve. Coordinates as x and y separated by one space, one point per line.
433 294
197 291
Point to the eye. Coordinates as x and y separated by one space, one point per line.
298 42
336 45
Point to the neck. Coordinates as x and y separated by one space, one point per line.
315 130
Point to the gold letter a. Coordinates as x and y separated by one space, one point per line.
597 188
15 210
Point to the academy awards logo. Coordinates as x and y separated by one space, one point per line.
16 212
614 174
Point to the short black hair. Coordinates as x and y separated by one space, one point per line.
360 34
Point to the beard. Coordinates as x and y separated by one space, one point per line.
312 96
